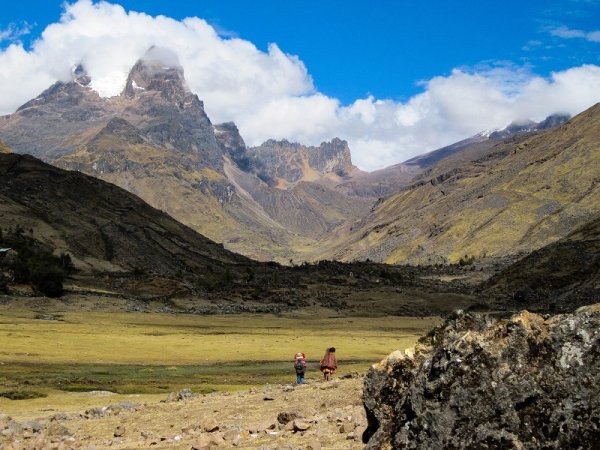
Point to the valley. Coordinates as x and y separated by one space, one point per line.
157 275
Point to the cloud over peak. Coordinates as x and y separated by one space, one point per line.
270 94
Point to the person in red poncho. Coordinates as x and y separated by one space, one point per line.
328 363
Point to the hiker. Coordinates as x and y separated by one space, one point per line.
300 366
328 363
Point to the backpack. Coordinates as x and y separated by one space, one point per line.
299 365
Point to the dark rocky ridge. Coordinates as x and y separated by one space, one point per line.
96 221
528 382
528 126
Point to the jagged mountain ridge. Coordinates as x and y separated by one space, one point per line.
283 163
156 141
390 180
519 195
280 200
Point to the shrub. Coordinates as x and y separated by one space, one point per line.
36 264
466 260
48 279
3 284
21 395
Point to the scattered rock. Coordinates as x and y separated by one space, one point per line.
94 413
300 425
128 406
347 427
209 425
119 431
287 416
59 417
184 394
56 429
33 425
190 429
231 435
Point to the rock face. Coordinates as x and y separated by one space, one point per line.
283 162
527 382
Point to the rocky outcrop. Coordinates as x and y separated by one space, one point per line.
292 162
527 382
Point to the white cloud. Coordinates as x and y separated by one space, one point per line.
570 33
270 94
13 31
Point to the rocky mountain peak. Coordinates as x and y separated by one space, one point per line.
293 162
158 70
80 75
334 156
553 120
527 126
229 137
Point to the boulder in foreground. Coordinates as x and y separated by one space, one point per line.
476 382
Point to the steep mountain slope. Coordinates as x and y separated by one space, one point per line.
391 180
521 195
102 227
123 248
4 148
559 277
156 141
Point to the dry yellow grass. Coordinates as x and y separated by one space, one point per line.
152 353
131 338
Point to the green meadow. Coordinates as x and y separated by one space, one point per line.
141 353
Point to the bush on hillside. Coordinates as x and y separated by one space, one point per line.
36 264
48 280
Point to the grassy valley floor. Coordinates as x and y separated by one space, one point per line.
74 360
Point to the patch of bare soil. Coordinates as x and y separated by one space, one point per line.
315 415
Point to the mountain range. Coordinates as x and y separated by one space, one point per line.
498 194
156 141
491 199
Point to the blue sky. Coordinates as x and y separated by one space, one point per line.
383 48
373 72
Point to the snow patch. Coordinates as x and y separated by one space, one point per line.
135 86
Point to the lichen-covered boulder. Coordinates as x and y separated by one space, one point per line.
528 382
